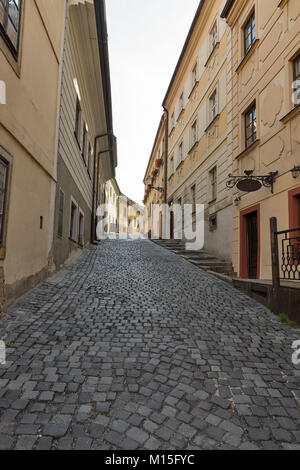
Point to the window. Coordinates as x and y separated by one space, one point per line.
213 183
297 80
10 16
194 133
77 120
73 221
180 155
84 141
193 197
81 229
194 76
89 158
213 105
214 37
3 193
181 103
250 124
172 121
249 33
125 212
61 202
172 165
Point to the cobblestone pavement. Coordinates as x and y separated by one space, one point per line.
133 347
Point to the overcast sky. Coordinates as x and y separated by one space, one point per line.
145 40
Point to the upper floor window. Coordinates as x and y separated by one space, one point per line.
84 142
180 152
194 133
89 157
250 123
214 37
171 165
181 103
10 16
297 80
172 121
213 105
194 76
249 33
77 120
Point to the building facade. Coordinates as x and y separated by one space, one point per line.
30 58
85 152
266 124
199 126
156 171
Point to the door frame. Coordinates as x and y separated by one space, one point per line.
243 241
293 209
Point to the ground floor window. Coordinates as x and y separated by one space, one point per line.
73 221
81 229
61 202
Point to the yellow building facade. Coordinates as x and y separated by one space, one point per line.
30 59
199 133
156 171
265 123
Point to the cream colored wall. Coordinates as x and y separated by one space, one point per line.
28 132
68 147
156 197
214 141
267 77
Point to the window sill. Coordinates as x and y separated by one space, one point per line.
74 241
212 201
211 122
212 53
248 55
193 147
291 114
248 149
179 165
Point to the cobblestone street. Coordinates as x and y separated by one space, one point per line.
132 347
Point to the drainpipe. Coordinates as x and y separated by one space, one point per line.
166 155
95 189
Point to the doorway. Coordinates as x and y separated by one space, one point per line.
250 243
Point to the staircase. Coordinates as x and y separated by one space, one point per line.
201 259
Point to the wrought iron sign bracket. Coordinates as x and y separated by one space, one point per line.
250 183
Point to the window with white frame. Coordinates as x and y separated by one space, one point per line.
214 36
194 134
180 153
249 33
10 22
213 105
172 165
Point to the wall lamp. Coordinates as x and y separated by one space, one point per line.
237 201
150 182
296 171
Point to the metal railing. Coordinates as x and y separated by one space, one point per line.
290 254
